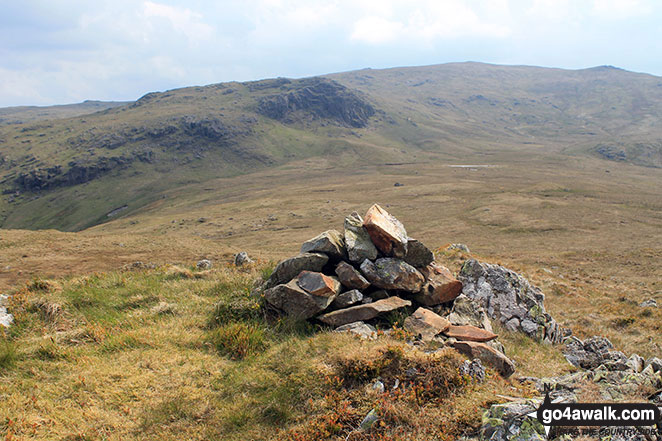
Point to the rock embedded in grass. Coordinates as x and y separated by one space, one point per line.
387 233
488 355
361 329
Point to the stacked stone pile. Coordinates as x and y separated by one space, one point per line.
345 279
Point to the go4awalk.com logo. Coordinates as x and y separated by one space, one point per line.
642 418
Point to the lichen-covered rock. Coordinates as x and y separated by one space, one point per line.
330 242
474 369
288 269
204 264
348 298
511 299
440 285
511 422
488 355
418 255
466 311
389 273
357 240
426 324
363 312
318 284
387 233
593 352
293 301
350 277
469 333
242 258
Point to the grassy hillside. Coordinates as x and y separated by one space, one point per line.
76 172
25 114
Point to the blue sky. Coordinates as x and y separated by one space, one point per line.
62 51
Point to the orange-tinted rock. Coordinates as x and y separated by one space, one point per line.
440 285
426 324
363 312
318 284
469 333
386 232
489 356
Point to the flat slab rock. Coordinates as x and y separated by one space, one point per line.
318 284
426 324
330 242
389 273
469 333
440 286
488 355
350 277
295 302
363 312
288 269
387 233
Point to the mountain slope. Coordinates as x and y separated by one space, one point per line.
76 172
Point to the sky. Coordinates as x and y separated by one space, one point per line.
64 51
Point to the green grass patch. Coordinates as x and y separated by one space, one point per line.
238 340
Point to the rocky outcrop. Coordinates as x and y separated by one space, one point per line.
511 299
314 99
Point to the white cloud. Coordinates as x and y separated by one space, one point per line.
182 20
621 9
375 30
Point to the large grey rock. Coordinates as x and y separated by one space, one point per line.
389 273
387 233
488 355
511 299
593 352
363 312
466 311
295 302
348 298
288 269
440 285
426 324
350 277
357 240
418 255
330 242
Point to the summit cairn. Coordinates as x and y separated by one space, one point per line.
344 279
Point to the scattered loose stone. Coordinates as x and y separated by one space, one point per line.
458 246
363 312
650 303
348 298
330 242
295 302
386 232
203 264
389 273
318 284
593 352
440 286
370 419
488 355
242 258
288 269
6 319
418 255
426 324
357 240
350 277
361 329
469 333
